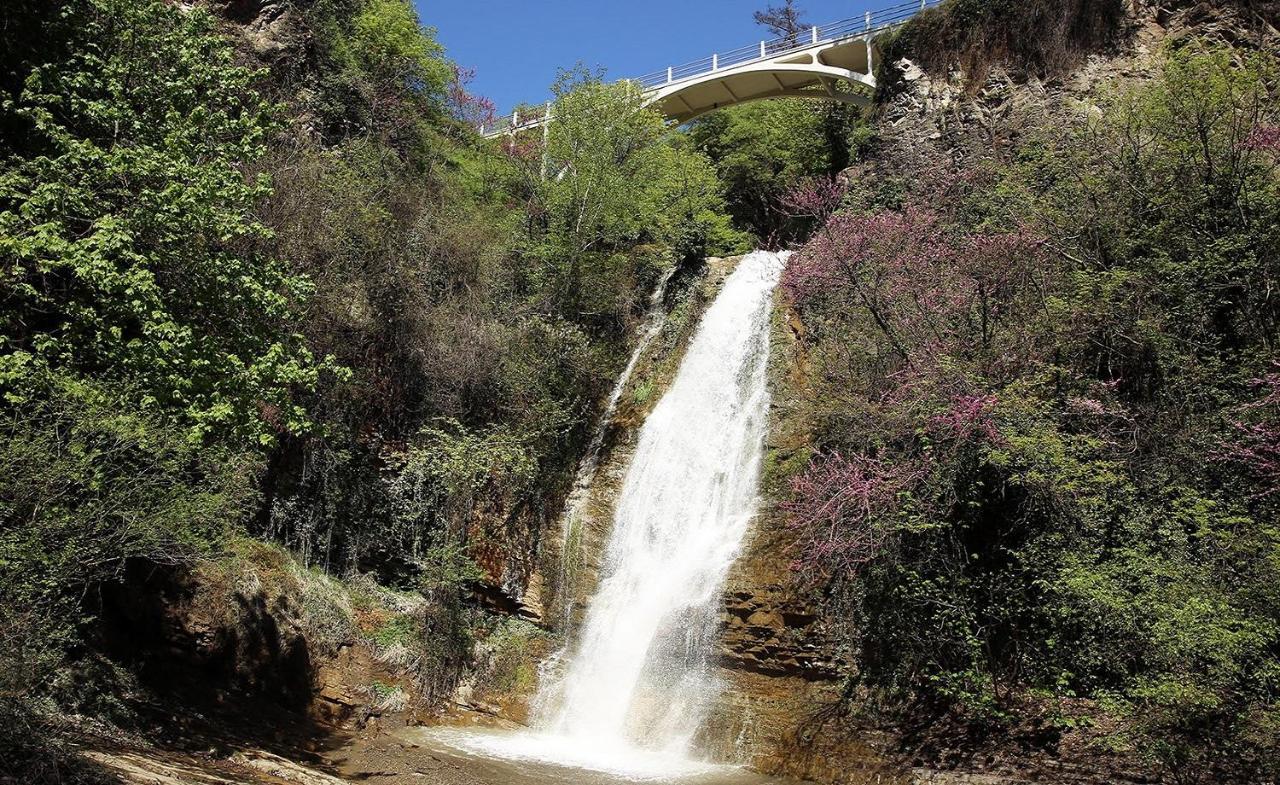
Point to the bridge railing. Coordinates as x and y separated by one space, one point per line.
518 120
870 23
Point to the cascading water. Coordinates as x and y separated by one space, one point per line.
635 689
639 674
581 493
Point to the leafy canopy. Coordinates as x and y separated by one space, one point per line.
127 238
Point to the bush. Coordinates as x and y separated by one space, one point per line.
86 485
507 658
379 72
126 228
1044 423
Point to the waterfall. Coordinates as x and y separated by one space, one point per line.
639 673
638 683
586 473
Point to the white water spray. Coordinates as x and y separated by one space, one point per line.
581 493
637 687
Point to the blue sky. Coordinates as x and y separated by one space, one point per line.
516 46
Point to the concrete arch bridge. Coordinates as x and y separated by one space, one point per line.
833 62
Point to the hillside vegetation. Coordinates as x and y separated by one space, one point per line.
1044 398
305 303
288 349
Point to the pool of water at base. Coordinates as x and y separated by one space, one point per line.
510 757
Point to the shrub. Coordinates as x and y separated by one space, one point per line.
1044 408
87 484
1043 38
506 658
127 235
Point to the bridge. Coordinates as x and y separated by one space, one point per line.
833 62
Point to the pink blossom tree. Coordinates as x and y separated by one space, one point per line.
1263 138
930 289
966 418
815 197
1255 439
474 110
841 506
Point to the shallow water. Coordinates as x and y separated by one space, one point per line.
508 757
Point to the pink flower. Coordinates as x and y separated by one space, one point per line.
969 416
816 197
471 109
1255 441
1264 139
1087 406
836 504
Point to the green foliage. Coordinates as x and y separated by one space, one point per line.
450 482
397 631
464 463
760 150
507 658
1065 526
1198 219
88 483
643 392
379 72
127 239
621 183
388 40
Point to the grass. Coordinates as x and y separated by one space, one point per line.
643 392
396 631
507 658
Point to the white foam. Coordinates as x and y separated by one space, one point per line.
619 761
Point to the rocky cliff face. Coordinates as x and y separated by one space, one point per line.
779 655
271 32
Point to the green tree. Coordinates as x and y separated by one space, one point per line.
390 42
618 180
379 73
127 239
761 150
